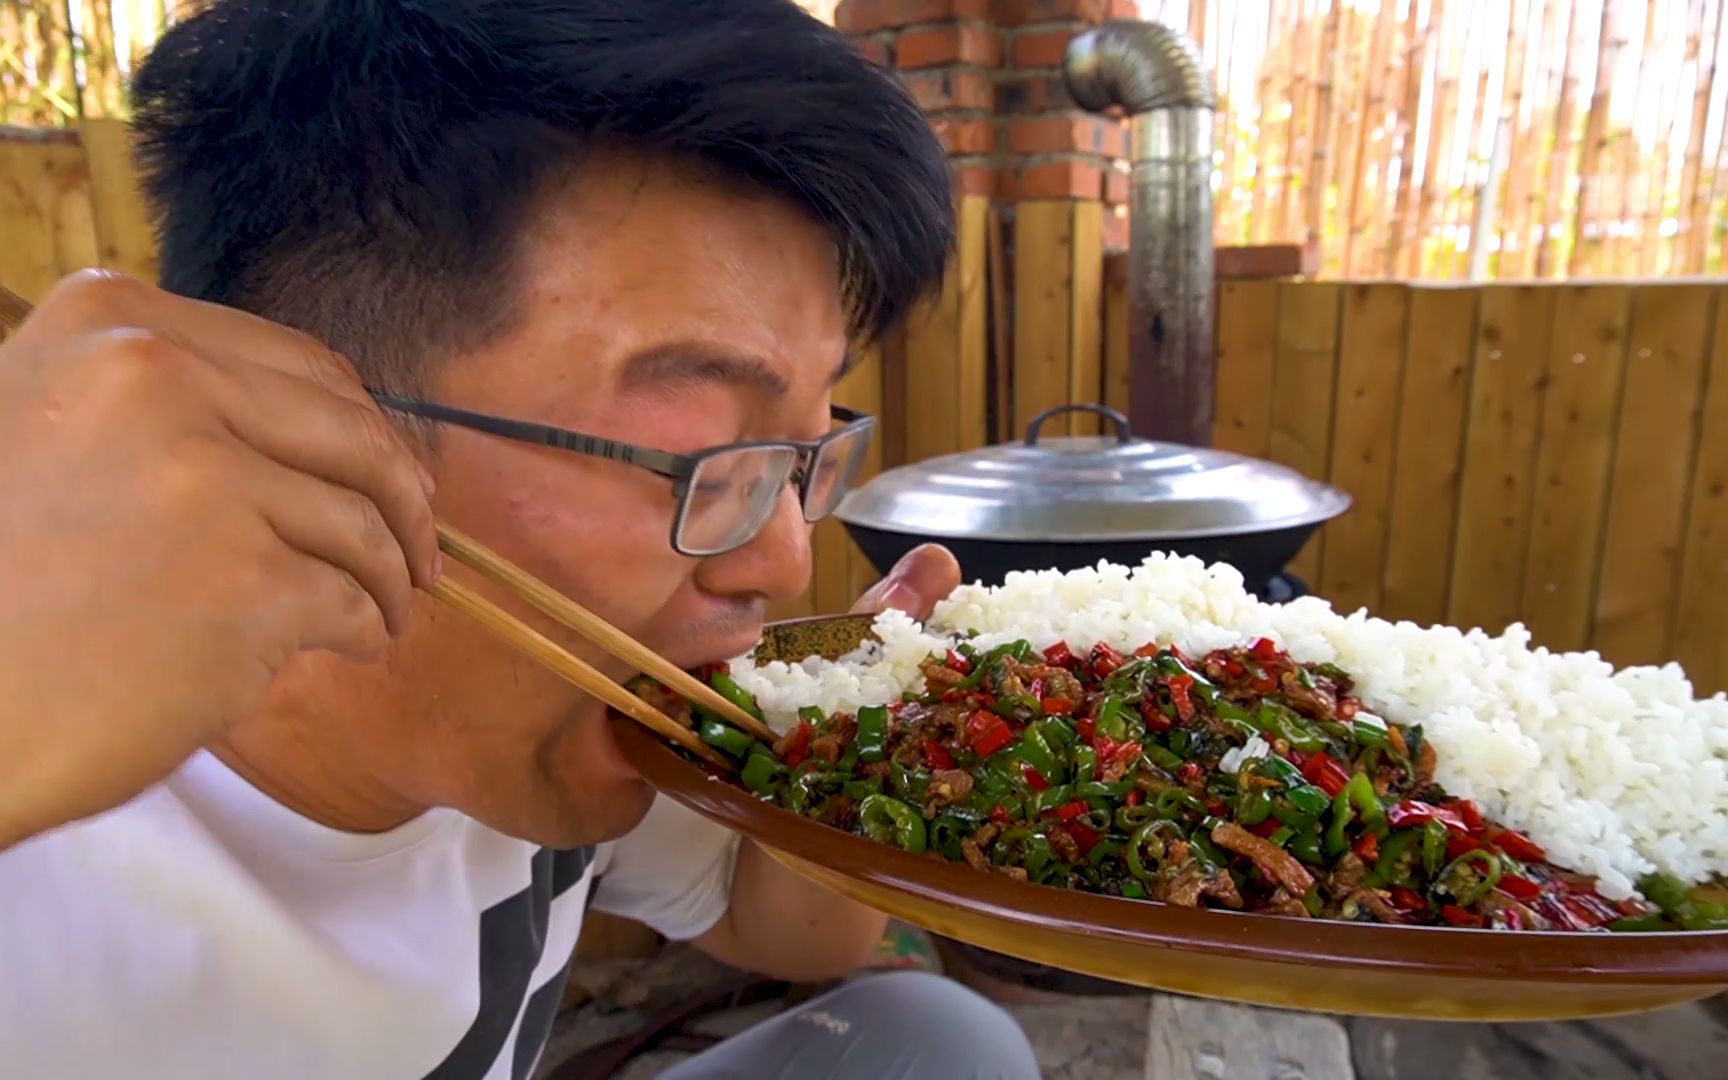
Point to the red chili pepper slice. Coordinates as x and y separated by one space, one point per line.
798 747
992 740
937 755
1056 706
1105 746
1367 846
1122 753
1136 797
1087 726
952 694
1469 812
999 814
1189 773
1589 909
1233 667
1458 843
1068 811
1458 916
1264 649
1519 888
959 663
1519 846
1085 838
1406 900
1105 660
1034 779
1148 650
1266 828
1153 717
1179 686
1058 655
1325 773
1415 812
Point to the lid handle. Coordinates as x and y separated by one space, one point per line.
1123 435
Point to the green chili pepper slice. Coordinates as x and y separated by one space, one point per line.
948 829
1111 723
761 774
1253 806
1433 847
1170 804
889 820
1470 894
812 715
1639 924
1035 751
1163 758
725 737
1355 800
724 685
1397 854
1308 799
872 738
1305 845
1129 818
1147 846
1133 890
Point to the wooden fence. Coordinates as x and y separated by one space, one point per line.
1550 453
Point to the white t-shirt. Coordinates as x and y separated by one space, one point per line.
205 930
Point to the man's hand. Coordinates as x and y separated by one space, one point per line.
192 495
779 922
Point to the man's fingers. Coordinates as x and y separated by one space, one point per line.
341 527
923 576
93 299
305 427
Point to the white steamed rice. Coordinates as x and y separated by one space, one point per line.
1617 774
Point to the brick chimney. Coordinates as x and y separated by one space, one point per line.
988 73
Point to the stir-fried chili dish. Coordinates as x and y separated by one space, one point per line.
1241 780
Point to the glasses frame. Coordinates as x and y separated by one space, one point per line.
679 468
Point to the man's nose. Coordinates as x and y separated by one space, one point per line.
775 565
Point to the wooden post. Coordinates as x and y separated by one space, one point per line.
1058 311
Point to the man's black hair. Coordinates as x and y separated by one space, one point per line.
363 169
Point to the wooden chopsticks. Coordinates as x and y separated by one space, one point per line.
489 564
476 556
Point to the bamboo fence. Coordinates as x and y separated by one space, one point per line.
1412 139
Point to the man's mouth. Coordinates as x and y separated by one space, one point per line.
691 656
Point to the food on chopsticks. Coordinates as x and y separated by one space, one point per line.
1531 761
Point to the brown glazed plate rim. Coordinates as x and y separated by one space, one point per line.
1678 957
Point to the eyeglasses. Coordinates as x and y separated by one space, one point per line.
725 494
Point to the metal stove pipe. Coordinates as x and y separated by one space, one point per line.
1157 75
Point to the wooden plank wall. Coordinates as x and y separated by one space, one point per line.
1552 453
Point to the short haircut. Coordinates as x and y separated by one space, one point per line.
363 170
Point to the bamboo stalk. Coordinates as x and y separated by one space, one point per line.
1320 158
1587 224
1560 159
1659 172
1509 198
1301 58
1445 99
1368 130
1417 53
1225 229
1625 252
1258 233
1462 198
1695 210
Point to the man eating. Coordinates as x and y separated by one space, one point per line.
577 276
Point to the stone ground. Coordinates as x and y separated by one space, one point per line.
1165 1037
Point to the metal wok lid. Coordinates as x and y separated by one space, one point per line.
1068 489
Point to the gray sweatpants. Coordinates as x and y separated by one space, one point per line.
900 1025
